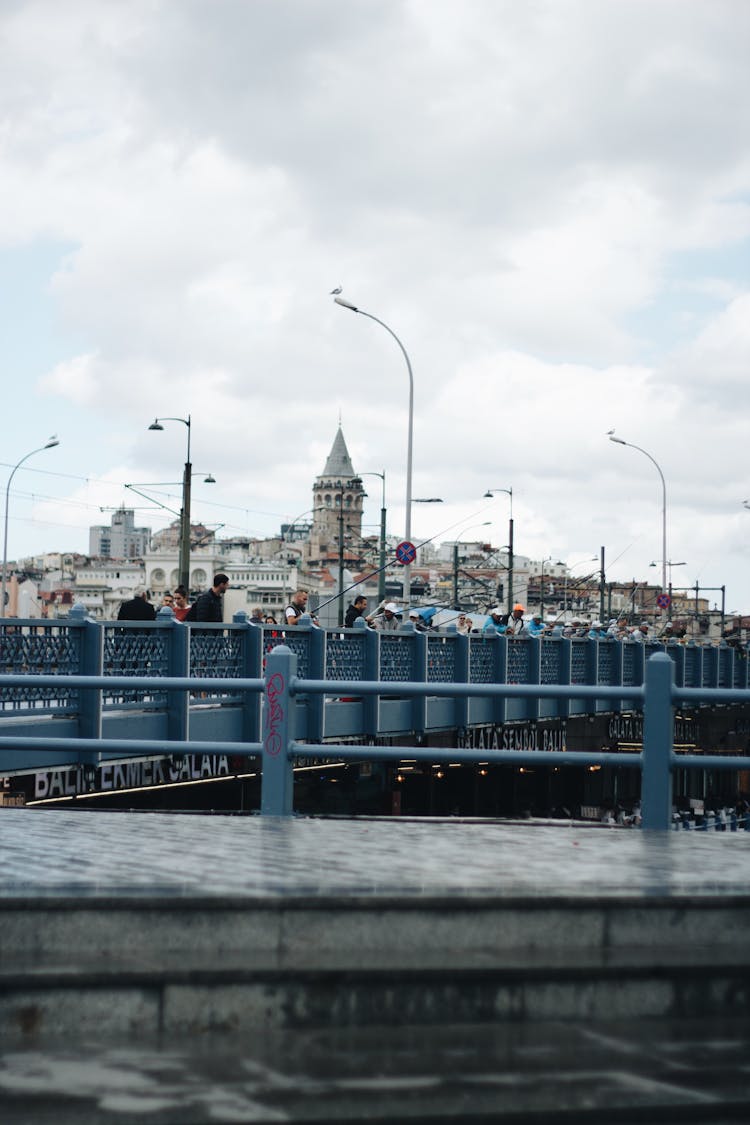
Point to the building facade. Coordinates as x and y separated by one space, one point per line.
121 540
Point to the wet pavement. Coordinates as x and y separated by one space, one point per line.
645 1071
52 851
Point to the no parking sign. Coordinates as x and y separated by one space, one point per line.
406 553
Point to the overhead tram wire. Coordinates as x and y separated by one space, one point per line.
123 484
375 573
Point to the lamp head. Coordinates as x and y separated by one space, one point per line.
210 479
53 441
488 495
156 425
345 304
618 440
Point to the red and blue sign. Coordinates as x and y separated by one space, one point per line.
406 553
663 601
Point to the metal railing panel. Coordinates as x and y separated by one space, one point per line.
395 656
481 660
605 662
551 660
441 659
693 666
217 651
135 650
578 660
31 647
519 661
296 638
345 655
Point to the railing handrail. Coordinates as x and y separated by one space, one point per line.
656 762
281 685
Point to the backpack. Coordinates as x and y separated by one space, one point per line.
192 614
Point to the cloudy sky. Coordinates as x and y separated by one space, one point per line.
548 202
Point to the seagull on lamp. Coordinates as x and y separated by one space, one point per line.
335 292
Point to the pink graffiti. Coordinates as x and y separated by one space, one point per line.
275 715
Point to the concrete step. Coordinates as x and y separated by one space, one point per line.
116 967
290 930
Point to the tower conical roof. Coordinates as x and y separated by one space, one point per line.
339 463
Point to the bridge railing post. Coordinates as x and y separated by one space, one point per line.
461 676
92 663
251 666
658 741
370 703
418 642
315 705
566 667
178 664
500 651
277 780
533 706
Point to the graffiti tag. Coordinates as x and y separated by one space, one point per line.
274 714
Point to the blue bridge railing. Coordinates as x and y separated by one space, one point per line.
658 696
281 687
79 645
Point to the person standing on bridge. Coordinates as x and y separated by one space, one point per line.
536 627
387 620
137 608
209 606
355 610
297 606
515 621
496 618
181 606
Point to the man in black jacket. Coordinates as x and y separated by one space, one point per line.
355 610
138 608
208 606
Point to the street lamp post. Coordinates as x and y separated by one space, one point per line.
53 441
184 564
341 489
381 563
407 522
509 492
619 441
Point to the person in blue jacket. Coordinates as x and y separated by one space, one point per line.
536 627
497 618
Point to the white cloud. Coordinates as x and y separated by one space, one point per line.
510 187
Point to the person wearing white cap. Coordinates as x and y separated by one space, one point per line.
387 620
496 618
536 627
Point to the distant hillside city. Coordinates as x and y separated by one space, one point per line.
324 551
